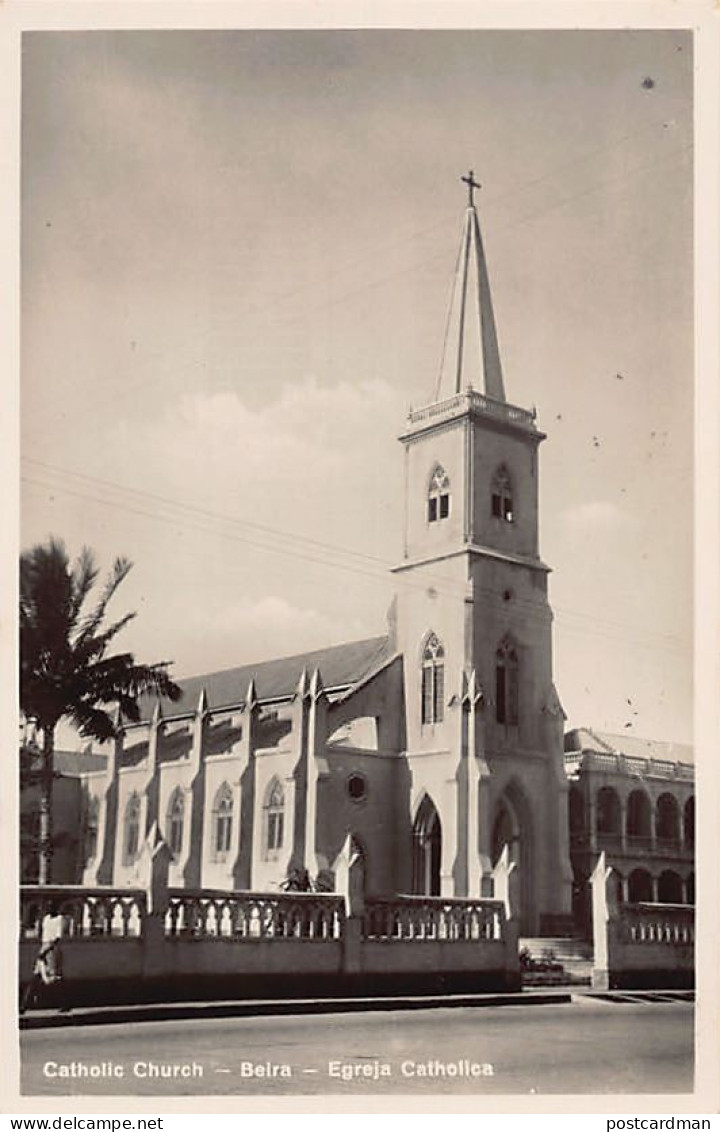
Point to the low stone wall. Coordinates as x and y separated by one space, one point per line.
641 945
129 946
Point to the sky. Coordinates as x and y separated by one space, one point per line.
237 253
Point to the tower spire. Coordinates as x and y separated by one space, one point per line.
472 184
471 357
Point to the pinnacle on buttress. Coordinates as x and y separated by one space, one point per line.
302 685
251 699
117 720
202 707
316 685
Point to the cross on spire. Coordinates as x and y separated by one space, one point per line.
472 184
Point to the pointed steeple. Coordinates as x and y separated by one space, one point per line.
471 358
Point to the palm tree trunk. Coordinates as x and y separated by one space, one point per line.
46 799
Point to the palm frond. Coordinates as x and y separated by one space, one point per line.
84 576
93 722
89 648
121 569
120 675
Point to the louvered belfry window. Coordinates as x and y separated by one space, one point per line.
502 499
438 495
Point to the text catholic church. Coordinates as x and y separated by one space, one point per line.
427 750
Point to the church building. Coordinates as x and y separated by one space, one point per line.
431 747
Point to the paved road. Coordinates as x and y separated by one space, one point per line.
584 1047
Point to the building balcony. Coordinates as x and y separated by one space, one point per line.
612 842
636 845
639 843
614 762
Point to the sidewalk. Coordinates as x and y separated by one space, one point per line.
166 1011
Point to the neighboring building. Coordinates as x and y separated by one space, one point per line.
634 799
431 747
69 810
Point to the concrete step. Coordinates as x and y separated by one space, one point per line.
560 948
532 980
570 961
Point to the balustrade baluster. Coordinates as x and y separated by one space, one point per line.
125 918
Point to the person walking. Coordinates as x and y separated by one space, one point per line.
47 971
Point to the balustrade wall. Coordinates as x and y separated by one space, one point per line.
130 945
641 944
205 913
87 913
433 918
672 924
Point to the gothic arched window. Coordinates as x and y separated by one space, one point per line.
274 817
175 822
222 821
433 681
438 495
506 684
92 816
131 830
502 500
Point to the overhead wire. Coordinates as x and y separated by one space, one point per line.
308 544
441 584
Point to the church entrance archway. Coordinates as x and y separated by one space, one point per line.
512 827
427 849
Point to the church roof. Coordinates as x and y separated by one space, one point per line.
340 666
588 739
70 764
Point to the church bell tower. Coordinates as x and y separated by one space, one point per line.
484 724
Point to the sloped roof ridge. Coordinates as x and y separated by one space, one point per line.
375 669
664 750
608 746
341 665
640 739
380 639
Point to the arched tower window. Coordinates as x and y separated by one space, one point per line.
131 831
274 817
222 822
438 495
507 684
433 681
502 500
175 821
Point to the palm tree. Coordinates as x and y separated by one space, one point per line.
65 672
